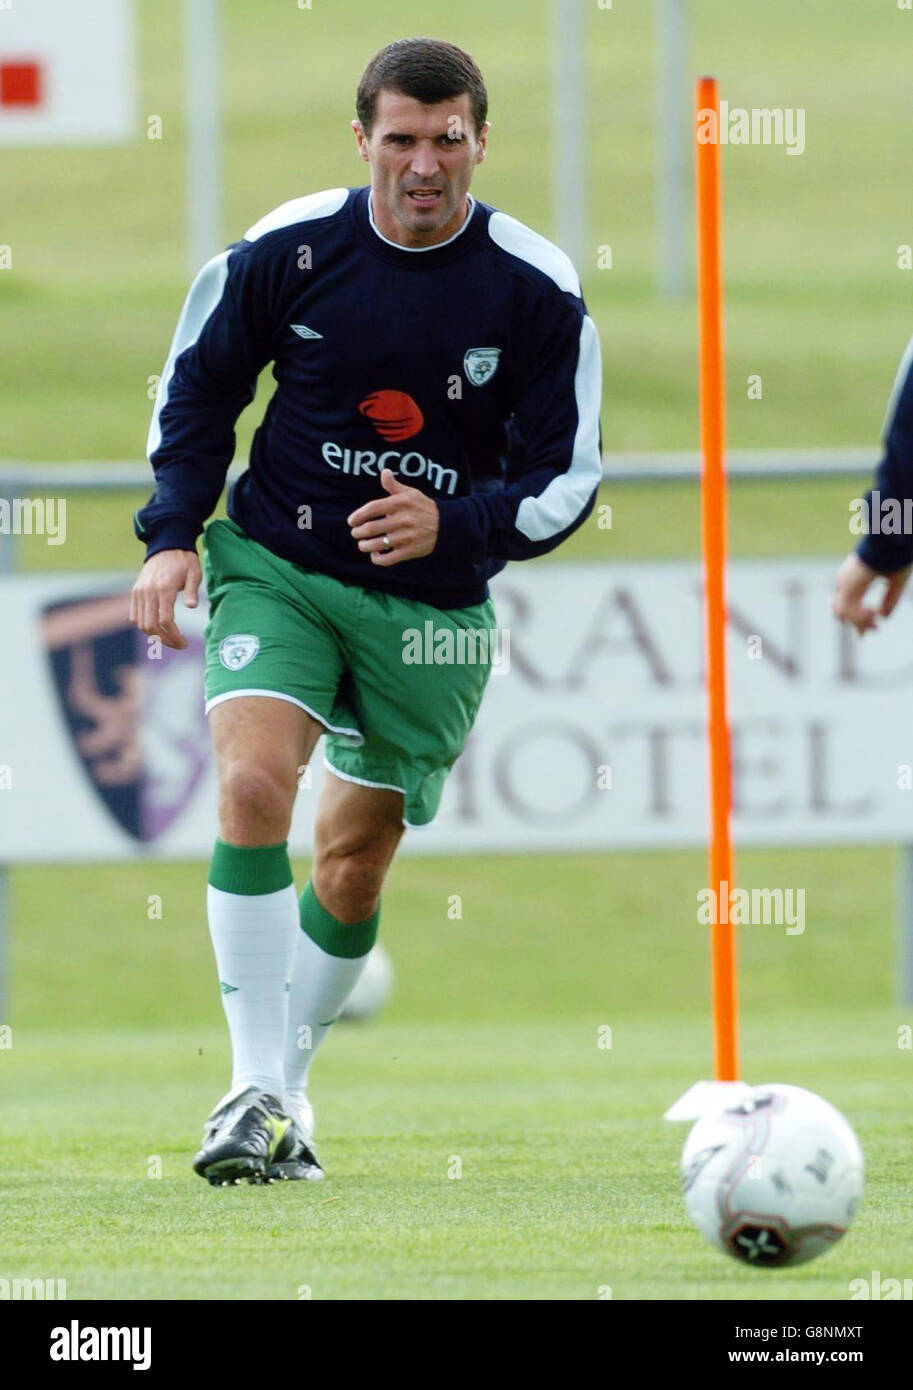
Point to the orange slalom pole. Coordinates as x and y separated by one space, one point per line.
713 519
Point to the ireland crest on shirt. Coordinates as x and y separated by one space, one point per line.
480 364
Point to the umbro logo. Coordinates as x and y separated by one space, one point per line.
304 332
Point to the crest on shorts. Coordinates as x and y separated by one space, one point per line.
238 650
480 364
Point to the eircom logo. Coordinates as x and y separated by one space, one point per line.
410 465
395 416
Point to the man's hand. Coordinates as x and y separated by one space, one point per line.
853 580
406 517
160 581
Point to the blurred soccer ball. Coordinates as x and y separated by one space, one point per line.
775 1179
373 987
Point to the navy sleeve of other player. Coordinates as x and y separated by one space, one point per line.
221 344
557 416
887 552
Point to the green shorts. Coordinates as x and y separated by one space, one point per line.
355 659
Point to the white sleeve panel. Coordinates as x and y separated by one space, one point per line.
903 371
202 298
306 209
521 241
562 501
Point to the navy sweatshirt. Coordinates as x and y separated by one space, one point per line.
471 369
882 550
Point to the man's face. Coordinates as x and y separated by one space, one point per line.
422 160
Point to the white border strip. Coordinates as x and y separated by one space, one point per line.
362 781
380 786
438 244
278 695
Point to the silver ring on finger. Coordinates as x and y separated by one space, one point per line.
388 544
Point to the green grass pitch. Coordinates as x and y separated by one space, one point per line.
479 1142
486 1062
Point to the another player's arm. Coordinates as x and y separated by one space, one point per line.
557 412
885 556
220 346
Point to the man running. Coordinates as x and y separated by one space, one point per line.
436 415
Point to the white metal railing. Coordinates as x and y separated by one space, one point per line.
18 476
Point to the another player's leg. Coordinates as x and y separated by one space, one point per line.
260 743
356 834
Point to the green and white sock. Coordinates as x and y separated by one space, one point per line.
253 922
329 957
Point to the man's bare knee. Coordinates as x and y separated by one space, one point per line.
260 744
255 803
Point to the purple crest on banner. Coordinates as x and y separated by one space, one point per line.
133 708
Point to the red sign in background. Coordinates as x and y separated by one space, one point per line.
20 83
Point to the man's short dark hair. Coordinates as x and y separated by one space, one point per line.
429 70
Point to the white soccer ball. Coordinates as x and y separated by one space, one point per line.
372 988
775 1179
